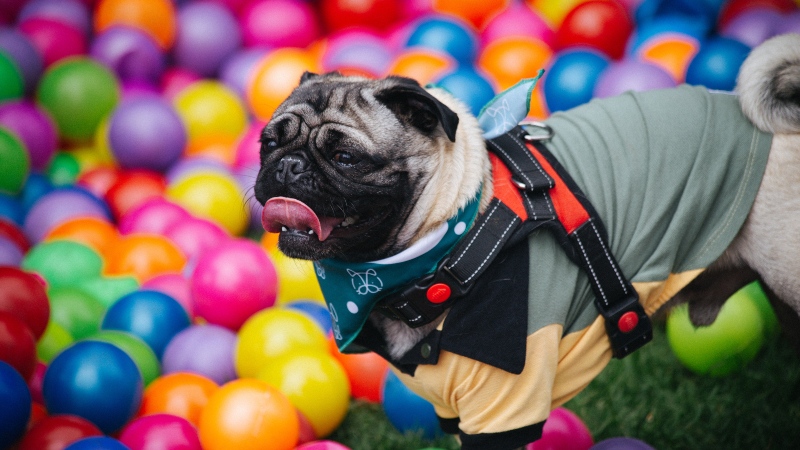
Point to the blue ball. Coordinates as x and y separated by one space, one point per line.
15 399
572 77
716 64
408 411
11 209
97 443
35 187
468 86
94 380
316 311
694 27
153 316
447 36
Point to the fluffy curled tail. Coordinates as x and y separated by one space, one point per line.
769 85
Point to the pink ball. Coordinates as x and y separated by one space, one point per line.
292 23
518 20
153 216
175 79
194 236
322 445
563 430
54 40
162 431
69 12
248 147
753 26
233 281
176 286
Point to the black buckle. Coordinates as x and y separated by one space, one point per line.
627 326
423 301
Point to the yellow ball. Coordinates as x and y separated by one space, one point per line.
210 108
297 279
554 12
274 332
101 144
315 383
214 196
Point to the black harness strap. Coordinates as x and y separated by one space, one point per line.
627 325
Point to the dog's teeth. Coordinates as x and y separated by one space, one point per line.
284 229
310 231
349 221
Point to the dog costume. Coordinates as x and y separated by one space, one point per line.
671 174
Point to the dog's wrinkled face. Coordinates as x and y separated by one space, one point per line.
343 161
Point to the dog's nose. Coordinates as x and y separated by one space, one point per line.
290 168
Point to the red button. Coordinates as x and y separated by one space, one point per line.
438 293
628 321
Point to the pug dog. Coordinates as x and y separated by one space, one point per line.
389 187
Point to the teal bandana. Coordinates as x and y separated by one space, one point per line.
351 290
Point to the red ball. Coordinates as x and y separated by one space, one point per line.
23 295
12 232
133 188
99 180
57 432
733 8
17 345
376 14
600 24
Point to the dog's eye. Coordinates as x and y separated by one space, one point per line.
270 144
345 158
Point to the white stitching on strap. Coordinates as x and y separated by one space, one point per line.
530 155
491 252
611 261
489 215
519 170
591 270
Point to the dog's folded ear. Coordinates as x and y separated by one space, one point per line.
308 76
412 104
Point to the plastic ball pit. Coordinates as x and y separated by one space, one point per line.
143 256
77 311
274 77
138 350
55 40
298 26
69 12
717 63
202 349
181 394
155 17
63 263
631 75
34 128
162 430
199 50
446 35
572 77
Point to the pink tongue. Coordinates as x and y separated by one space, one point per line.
282 212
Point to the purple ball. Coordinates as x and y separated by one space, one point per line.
752 27
203 349
631 75
130 53
60 205
25 54
69 12
146 133
10 254
199 49
34 127
621 443
789 23
235 71
358 49
138 88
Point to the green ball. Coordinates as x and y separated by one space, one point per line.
109 289
755 293
12 85
63 263
54 339
723 347
63 169
78 93
15 163
78 312
141 353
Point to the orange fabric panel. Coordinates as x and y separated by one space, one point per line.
569 210
504 189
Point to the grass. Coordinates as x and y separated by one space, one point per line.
651 397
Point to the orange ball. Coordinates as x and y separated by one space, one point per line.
249 414
93 232
181 394
476 12
219 147
144 256
274 78
366 372
672 53
157 18
509 60
422 65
